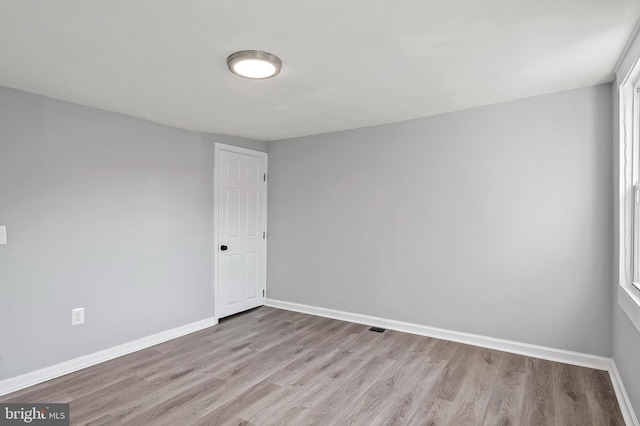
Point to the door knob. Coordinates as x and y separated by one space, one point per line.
223 248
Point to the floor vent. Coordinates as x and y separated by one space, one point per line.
377 329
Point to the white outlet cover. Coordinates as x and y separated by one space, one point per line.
77 316
3 235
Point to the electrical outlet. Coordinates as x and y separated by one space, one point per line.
77 316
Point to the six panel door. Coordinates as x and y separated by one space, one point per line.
242 250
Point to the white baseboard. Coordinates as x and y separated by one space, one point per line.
575 358
13 384
543 352
628 414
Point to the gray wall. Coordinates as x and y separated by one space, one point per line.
494 220
626 339
105 212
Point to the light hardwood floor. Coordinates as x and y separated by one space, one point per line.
275 367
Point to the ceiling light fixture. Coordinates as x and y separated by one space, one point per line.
254 64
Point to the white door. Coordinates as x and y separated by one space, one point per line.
241 237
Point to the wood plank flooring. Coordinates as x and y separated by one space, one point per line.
275 367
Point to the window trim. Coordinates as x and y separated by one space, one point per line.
629 162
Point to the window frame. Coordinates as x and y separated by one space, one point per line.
628 91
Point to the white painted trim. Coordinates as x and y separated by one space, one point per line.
543 352
629 301
238 150
628 132
625 185
13 384
217 147
628 414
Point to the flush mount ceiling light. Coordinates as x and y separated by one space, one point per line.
254 64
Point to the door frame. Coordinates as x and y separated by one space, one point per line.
216 243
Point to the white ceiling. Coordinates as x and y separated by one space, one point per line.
347 63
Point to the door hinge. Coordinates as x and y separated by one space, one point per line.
265 177
264 235
262 292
